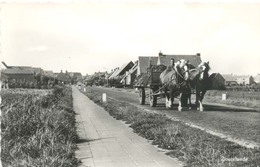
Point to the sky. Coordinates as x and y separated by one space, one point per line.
99 36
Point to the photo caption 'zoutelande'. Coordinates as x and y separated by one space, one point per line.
224 159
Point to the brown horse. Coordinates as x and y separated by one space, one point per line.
176 82
199 80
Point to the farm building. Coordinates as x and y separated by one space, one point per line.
244 79
230 80
130 76
217 81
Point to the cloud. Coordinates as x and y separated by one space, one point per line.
40 48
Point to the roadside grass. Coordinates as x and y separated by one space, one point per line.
191 146
38 129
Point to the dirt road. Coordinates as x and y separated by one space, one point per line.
238 123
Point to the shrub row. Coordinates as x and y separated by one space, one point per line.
38 130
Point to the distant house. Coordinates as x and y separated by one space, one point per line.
63 77
121 71
217 81
119 74
49 74
75 77
230 80
257 78
20 73
244 79
130 76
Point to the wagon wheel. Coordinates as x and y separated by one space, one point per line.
152 98
141 96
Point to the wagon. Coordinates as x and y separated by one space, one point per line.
150 81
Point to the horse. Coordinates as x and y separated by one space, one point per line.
199 80
176 81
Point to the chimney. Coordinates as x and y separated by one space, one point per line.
60 71
5 64
160 54
198 54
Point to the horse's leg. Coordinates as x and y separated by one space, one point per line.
201 98
166 100
197 99
180 107
189 98
171 98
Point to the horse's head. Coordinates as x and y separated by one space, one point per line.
184 66
203 70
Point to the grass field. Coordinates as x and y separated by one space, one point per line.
38 128
237 98
191 146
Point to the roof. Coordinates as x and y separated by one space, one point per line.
134 68
122 70
229 78
214 75
194 60
143 63
242 76
19 70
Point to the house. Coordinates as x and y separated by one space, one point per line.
194 60
130 76
162 59
244 79
230 80
217 81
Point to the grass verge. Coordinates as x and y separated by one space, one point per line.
38 129
193 147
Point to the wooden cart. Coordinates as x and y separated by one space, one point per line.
151 81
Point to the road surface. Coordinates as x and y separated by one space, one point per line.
238 123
